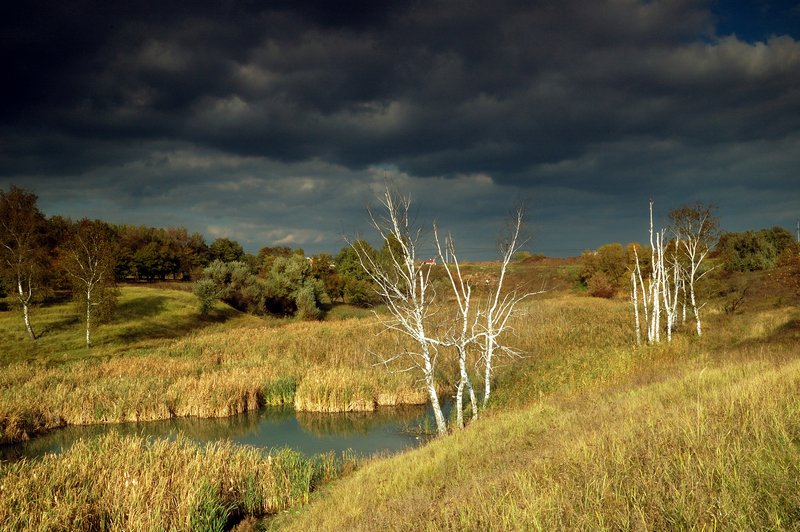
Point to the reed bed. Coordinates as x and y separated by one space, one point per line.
134 483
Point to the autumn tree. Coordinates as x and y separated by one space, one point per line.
89 258
22 254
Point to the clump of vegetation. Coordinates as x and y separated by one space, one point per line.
132 483
288 288
605 271
756 250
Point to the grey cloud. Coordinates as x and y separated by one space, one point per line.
241 112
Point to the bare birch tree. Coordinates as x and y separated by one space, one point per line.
403 283
22 256
696 227
463 334
501 305
658 295
89 259
675 268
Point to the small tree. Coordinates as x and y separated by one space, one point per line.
22 255
501 306
697 230
89 258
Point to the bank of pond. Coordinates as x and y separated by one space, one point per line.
386 430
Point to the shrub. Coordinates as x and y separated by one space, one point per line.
600 285
755 250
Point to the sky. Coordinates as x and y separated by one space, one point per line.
280 122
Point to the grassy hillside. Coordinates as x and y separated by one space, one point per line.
591 433
145 317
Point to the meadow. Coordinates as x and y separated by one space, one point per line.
586 431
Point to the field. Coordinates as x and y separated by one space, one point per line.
585 432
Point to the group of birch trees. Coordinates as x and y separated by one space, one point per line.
35 250
664 288
464 321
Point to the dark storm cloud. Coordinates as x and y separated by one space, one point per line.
194 106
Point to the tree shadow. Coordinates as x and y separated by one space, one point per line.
58 325
140 307
146 318
788 331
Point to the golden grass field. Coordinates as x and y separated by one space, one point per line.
585 432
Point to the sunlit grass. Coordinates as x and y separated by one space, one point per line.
144 317
149 364
132 483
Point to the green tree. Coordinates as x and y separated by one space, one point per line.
89 258
755 250
226 250
22 252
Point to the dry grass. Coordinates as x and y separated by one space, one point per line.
715 447
585 432
131 483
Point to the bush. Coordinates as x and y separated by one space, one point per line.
609 264
359 293
755 250
207 294
600 285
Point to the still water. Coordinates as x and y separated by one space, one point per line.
387 430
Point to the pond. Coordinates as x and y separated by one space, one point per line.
387 430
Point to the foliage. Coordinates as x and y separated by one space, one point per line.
755 250
606 270
89 258
288 289
208 292
599 285
226 250
23 256
356 286
148 253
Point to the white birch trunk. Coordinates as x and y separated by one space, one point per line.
635 301
88 318
24 300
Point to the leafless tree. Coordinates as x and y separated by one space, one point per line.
22 256
464 332
89 259
403 282
675 267
501 305
696 228
657 296
469 326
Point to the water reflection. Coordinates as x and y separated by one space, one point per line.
387 430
